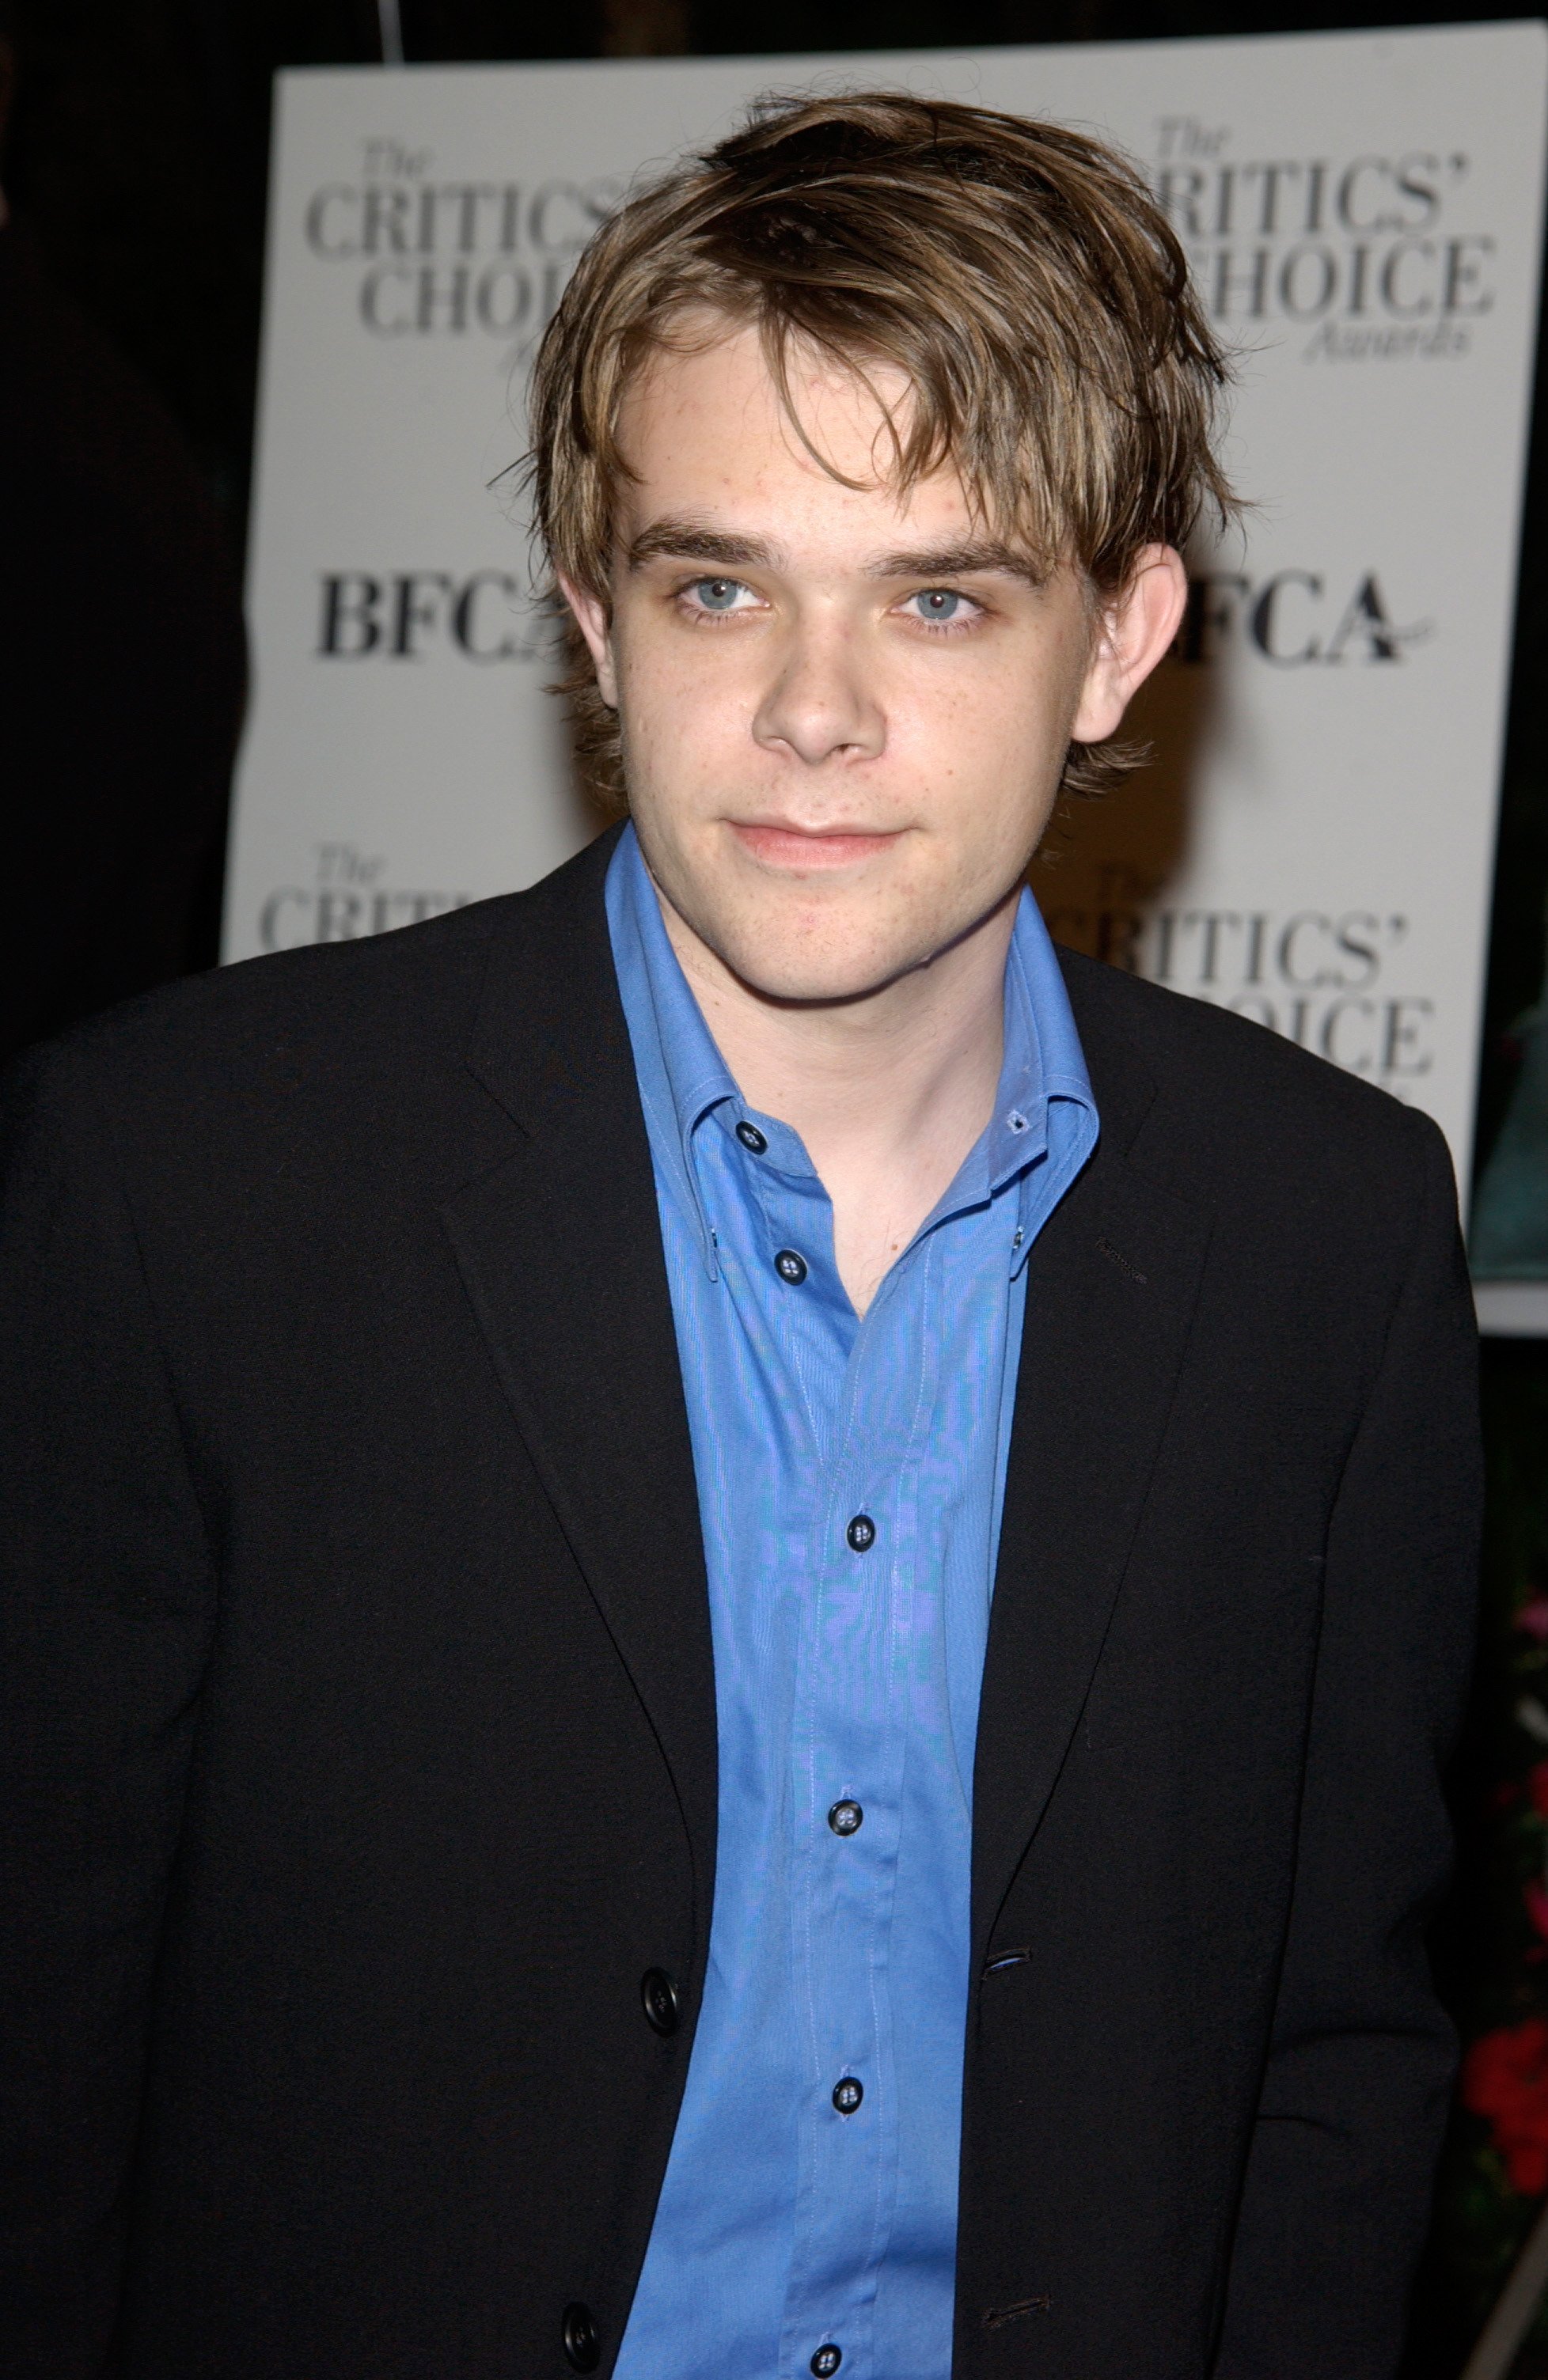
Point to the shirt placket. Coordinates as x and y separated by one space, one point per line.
850 1736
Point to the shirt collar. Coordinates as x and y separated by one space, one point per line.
1044 1121
1044 1125
681 1074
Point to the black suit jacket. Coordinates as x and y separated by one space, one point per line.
358 1735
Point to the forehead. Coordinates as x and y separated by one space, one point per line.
703 425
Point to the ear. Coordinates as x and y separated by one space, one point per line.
594 622
1135 629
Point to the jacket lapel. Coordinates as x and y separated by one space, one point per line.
560 1248
1110 1289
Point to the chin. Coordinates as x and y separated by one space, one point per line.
774 969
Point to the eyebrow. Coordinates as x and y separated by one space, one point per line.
688 541
960 561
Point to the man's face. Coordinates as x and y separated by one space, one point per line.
845 713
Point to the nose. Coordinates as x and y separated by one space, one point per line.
819 705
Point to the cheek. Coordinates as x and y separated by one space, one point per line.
675 699
984 741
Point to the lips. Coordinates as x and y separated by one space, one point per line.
795 847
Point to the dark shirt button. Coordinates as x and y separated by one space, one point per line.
847 2095
861 1534
659 1993
751 1138
790 1267
846 1818
827 2359
583 2341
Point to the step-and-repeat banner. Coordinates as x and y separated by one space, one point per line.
1313 845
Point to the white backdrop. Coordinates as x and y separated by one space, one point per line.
1313 845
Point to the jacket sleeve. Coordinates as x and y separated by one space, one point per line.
105 1603
1337 2188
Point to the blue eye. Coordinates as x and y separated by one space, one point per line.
718 594
937 603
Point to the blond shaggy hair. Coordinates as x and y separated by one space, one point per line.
1021 277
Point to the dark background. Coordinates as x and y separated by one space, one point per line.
136 167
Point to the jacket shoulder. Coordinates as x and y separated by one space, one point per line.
383 1007
1229 1102
337 998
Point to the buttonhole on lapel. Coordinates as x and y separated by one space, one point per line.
1006 1959
1116 1255
1041 2303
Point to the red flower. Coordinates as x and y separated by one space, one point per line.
1533 1617
1505 2077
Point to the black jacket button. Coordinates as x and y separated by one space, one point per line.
659 1993
790 1267
846 1818
861 1534
581 2338
751 1138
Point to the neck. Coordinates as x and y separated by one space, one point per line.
888 1092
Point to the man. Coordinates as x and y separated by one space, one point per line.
734 1601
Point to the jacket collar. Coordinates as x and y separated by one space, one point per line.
1111 1287
560 1249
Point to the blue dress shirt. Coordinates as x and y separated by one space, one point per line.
850 1476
